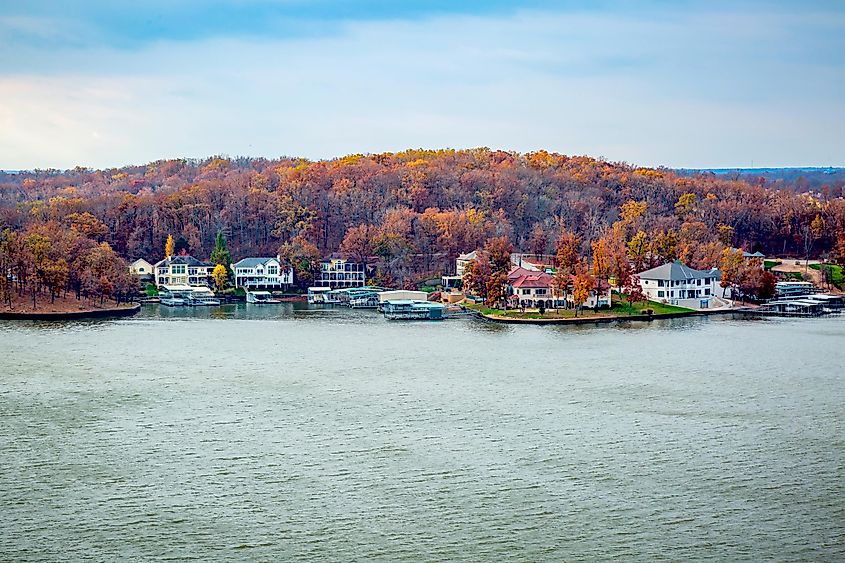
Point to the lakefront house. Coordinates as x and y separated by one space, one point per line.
262 273
460 267
531 288
678 284
338 273
142 268
183 270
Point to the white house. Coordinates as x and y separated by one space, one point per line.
141 267
460 267
262 273
530 288
183 270
338 273
678 284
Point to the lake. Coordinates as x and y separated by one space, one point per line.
287 432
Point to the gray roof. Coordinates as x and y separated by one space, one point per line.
251 262
677 271
188 260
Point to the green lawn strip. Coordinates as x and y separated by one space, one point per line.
620 309
837 276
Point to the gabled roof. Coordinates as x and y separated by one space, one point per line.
517 271
468 256
187 260
677 271
522 278
252 262
138 260
746 254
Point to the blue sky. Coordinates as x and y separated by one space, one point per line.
682 84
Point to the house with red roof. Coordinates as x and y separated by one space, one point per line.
530 289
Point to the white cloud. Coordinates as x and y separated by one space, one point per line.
679 92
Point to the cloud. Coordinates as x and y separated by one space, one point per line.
683 89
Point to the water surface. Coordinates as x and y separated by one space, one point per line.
279 432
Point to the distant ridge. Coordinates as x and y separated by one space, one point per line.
774 170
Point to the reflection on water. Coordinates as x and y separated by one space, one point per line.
326 433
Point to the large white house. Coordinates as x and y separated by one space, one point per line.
678 284
183 270
338 273
262 273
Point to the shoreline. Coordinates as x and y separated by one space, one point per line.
71 315
608 318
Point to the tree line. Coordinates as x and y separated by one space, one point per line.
416 210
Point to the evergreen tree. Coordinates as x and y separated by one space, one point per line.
220 254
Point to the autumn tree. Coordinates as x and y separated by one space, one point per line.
633 291
726 234
477 276
686 205
601 259
581 287
304 258
732 268
498 251
538 243
169 247
87 224
568 251
639 249
358 244
220 276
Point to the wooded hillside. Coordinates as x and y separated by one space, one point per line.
418 209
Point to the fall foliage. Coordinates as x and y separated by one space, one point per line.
416 210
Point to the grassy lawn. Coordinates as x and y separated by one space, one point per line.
769 264
836 271
621 308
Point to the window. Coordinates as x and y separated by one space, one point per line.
540 292
659 283
660 293
178 269
707 291
672 294
272 270
699 282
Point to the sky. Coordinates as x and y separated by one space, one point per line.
677 83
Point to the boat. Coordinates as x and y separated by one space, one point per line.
172 301
368 301
174 295
202 296
318 295
409 309
260 297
